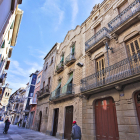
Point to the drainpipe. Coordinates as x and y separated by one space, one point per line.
107 47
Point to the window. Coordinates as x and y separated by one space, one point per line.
12 25
49 81
51 60
43 84
73 49
6 94
31 94
133 46
46 65
100 65
62 58
38 80
3 44
123 6
46 110
97 28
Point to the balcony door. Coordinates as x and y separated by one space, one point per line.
106 120
100 66
137 102
133 49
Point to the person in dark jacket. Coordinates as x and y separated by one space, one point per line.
76 131
7 124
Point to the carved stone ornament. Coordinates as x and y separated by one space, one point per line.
95 8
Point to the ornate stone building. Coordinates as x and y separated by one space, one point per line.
110 86
96 77
65 105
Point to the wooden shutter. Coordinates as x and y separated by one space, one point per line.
100 65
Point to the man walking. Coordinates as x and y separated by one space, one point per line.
76 131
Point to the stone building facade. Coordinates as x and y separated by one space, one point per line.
95 79
65 105
42 111
110 86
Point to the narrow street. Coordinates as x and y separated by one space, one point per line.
16 133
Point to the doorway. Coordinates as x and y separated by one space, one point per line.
68 122
40 118
106 120
55 124
137 102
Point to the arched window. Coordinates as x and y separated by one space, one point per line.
6 94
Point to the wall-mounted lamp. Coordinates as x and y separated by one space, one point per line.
80 64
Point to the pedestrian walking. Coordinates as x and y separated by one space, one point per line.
7 124
76 131
19 123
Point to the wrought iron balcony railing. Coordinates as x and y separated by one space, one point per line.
104 32
44 92
62 92
121 70
70 59
125 15
60 67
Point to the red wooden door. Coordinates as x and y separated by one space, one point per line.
68 122
106 120
137 101
56 114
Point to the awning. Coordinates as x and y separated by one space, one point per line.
64 88
53 93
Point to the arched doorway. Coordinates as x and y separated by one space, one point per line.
40 118
106 119
137 102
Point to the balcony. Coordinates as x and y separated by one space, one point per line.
119 74
126 18
33 101
70 59
96 41
43 92
63 93
59 67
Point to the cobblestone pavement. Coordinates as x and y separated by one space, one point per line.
16 133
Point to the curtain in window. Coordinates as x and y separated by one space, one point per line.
64 88
53 93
